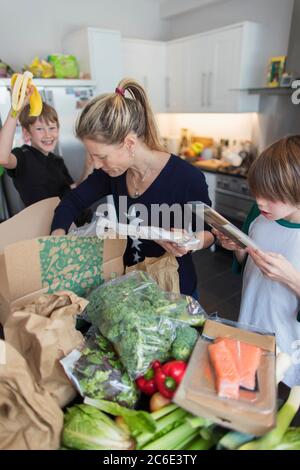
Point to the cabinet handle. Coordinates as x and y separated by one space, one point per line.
167 83
209 89
203 90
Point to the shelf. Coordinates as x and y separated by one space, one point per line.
54 82
271 91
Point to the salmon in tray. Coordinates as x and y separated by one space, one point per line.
228 354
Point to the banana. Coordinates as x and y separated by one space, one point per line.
19 84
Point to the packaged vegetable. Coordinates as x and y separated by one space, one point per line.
97 372
141 319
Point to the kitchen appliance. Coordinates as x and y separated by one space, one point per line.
233 199
68 97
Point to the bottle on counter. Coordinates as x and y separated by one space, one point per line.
185 142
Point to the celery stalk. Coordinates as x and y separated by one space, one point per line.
200 444
171 440
233 440
284 418
163 426
184 443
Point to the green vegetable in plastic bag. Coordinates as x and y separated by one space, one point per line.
65 66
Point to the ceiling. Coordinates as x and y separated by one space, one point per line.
169 8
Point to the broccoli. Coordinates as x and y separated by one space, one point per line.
184 343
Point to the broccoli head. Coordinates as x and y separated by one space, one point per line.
184 343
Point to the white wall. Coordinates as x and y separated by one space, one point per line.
275 14
34 27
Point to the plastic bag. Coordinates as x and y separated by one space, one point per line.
97 372
65 66
141 319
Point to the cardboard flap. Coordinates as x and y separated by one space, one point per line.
113 248
214 329
34 221
22 262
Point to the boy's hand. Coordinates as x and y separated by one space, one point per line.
274 266
226 242
173 248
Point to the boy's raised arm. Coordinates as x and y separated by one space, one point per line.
7 133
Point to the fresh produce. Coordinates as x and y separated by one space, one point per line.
136 420
100 374
184 343
20 84
284 418
147 383
87 428
169 376
169 428
140 319
290 441
158 401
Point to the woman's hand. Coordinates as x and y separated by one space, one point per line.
173 248
276 267
59 232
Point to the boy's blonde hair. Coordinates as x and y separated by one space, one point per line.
275 174
109 118
48 115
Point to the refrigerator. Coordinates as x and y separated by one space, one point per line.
68 97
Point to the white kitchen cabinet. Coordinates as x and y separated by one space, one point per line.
176 92
99 52
211 180
207 71
146 62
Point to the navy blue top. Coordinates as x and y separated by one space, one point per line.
178 182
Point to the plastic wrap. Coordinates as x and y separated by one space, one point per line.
141 319
97 372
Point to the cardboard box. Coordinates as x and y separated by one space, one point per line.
25 260
255 411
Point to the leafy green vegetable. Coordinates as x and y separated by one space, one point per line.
137 421
140 319
86 428
184 343
100 374
290 441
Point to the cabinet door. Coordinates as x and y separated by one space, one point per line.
197 74
145 61
224 75
176 77
106 59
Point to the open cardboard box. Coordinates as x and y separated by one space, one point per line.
20 263
255 411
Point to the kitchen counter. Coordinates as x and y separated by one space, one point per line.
223 171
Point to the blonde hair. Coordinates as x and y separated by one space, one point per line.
48 115
275 174
109 118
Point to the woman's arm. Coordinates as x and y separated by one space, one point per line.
91 190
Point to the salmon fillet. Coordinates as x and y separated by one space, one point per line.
227 376
247 358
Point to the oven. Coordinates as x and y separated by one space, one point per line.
233 199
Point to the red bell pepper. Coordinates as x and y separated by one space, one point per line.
169 376
147 383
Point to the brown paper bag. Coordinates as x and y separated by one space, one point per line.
164 271
30 419
44 332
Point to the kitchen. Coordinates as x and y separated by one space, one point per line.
204 64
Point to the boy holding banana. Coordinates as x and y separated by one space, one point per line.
36 171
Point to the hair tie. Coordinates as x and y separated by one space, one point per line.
120 91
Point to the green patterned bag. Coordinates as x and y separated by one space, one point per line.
71 263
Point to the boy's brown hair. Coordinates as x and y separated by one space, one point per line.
48 115
275 174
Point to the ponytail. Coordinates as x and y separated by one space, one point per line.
109 118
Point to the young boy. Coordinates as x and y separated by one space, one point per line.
271 278
37 173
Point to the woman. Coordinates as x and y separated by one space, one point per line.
121 137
